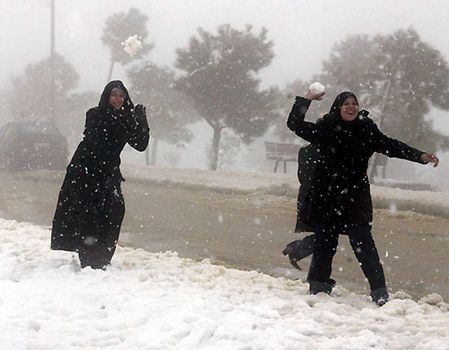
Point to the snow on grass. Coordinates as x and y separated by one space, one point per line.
160 301
264 184
425 202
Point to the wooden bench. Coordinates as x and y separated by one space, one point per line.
282 152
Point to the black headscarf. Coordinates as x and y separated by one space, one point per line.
104 99
335 111
338 103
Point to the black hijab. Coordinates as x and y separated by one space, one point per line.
104 99
335 111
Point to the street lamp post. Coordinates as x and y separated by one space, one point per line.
52 62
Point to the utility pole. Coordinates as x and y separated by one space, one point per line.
52 62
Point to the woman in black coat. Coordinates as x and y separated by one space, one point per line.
90 206
339 200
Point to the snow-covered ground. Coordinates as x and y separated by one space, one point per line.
426 202
160 301
277 184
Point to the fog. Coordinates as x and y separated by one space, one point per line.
303 33
213 104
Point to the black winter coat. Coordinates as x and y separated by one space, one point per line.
307 159
340 191
90 202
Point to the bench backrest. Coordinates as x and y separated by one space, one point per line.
282 151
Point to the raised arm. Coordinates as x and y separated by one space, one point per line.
137 129
296 123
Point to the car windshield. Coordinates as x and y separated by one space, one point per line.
39 128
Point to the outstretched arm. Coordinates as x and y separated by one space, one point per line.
430 158
397 149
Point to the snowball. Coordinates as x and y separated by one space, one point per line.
132 45
317 88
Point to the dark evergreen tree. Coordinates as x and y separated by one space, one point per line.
417 78
4 113
221 79
284 101
77 106
399 78
117 29
30 97
168 109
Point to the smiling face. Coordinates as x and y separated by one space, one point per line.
117 98
350 109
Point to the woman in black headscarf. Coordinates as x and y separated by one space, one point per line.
90 206
339 200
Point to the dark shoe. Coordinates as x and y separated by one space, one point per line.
299 249
380 296
316 287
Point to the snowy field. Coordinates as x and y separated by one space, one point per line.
425 202
160 301
276 184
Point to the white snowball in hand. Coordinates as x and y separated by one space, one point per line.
317 88
132 45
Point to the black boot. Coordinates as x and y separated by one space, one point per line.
316 287
380 296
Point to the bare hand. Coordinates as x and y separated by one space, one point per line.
311 96
430 158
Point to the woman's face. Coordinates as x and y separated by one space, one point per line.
350 109
117 98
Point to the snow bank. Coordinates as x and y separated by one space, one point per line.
160 301
425 202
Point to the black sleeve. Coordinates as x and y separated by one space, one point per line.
295 122
396 149
91 132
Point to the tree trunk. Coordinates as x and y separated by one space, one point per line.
213 156
154 145
147 156
372 170
384 169
111 68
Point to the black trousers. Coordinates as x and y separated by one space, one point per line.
362 244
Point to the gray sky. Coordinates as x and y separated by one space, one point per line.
303 31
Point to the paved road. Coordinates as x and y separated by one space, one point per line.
247 231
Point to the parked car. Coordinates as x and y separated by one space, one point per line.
32 145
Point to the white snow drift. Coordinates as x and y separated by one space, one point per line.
160 301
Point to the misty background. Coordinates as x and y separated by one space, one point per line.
214 109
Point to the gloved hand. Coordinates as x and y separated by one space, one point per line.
140 113
300 249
